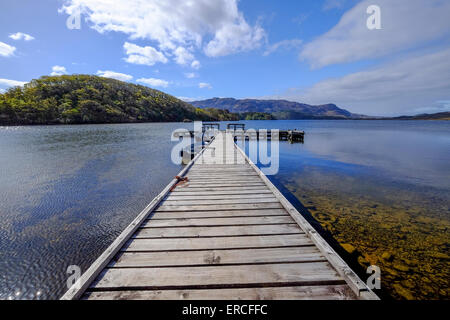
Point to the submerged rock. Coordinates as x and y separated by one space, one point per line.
363 262
439 255
404 293
387 256
348 247
401 267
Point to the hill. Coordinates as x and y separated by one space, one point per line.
426 116
278 109
77 99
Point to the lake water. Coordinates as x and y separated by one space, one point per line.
379 189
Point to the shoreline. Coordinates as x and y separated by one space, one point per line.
225 121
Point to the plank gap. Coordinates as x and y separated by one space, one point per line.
222 286
227 248
224 236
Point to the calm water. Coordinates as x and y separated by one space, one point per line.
66 192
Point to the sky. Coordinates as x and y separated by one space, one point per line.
391 60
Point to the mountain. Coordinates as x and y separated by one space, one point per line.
279 109
426 116
77 99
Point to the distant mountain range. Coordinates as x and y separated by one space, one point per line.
278 109
254 109
426 116
79 99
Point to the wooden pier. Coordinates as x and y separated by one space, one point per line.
282 135
225 233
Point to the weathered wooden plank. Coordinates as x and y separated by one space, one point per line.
220 171
216 175
224 183
217 202
215 231
197 164
222 175
222 276
207 196
225 161
243 206
205 167
209 192
225 177
250 189
219 175
327 292
224 180
219 214
237 177
221 257
216 168
219 185
217 243
217 221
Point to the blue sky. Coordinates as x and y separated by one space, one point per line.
308 51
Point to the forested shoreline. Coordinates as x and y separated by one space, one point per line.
84 99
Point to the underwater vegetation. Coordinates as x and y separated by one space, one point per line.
403 230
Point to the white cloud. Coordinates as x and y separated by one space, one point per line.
183 56
204 85
58 71
2 90
21 36
405 24
196 64
143 55
154 82
216 27
6 50
409 85
114 75
189 99
190 75
285 44
235 37
11 83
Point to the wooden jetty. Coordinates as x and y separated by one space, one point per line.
281 135
226 233
239 132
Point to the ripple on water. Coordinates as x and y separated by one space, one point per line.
66 192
